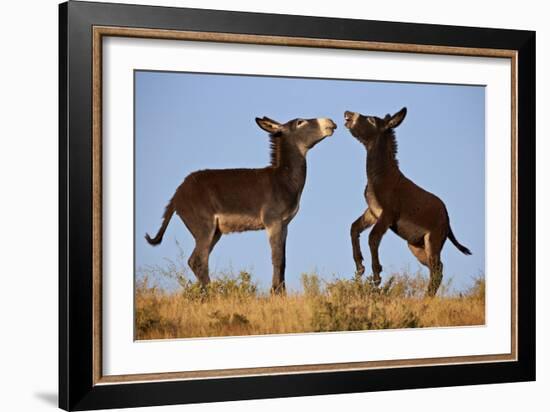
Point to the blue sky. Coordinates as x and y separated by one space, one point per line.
186 121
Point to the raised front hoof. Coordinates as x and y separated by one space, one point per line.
360 271
278 290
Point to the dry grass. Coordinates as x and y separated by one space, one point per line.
233 306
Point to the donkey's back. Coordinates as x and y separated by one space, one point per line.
233 199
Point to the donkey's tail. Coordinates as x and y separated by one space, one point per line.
168 212
460 247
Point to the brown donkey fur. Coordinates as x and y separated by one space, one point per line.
215 202
396 203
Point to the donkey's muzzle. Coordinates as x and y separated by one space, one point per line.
327 126
349 117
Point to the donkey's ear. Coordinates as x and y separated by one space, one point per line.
269 125
396 119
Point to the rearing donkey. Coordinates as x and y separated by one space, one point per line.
396 203
215 202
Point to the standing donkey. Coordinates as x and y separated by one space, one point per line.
215 202
396 203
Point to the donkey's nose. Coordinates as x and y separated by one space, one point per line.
348 115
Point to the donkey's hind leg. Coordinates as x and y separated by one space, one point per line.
198 261
420 253
215 239
362 223
433 250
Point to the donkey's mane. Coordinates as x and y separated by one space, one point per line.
281 151
391 146
386 147
275 149
383 156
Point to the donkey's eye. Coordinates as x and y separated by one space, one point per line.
300 122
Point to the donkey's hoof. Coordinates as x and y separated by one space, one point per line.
279 290
359 272
375 280
430 293
376 270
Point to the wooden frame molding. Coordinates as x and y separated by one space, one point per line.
101 31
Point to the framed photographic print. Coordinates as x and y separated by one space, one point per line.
257 205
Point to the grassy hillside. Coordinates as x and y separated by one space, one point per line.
233 305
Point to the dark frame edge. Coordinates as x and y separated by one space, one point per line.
76 388
75 251
526 120
63 332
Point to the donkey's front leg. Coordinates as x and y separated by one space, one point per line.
375 237
277 239
364 221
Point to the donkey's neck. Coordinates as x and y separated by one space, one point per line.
291 166
381 158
